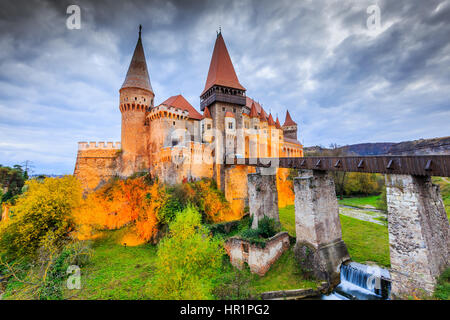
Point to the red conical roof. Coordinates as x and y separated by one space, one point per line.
277 124
229 114
288 121
221 70
253 111
270 121
137 75
262 115
181 103
206 114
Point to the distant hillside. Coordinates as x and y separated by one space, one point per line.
416 147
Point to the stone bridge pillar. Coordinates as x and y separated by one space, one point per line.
319 246
418 234
262 195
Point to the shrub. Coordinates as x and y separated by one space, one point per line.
44 212
188 260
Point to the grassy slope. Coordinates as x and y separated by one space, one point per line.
117 272
365 241
361 202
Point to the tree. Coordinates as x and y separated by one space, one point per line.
188 260
43 212
11 181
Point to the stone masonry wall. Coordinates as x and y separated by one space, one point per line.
262 196
258 259
418 233
319 246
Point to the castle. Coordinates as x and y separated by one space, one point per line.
176 143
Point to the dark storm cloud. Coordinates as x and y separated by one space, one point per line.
341 82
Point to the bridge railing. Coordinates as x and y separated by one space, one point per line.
421 165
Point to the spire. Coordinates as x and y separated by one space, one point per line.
277 124
270 121
253 111
207 114
221 70
262 116
137 75
288 121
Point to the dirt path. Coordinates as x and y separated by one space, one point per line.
370 215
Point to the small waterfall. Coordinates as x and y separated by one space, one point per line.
362 282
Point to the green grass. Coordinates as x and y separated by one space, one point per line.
361 202
287 219
116 272
445 192
442 291
284 274
366 241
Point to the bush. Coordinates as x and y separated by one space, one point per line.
188 260
44 212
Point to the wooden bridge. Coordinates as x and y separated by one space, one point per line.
430 165
419 233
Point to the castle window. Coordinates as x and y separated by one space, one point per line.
135 98
209 127
230 125
234 110
256 127
223 108
246 125
174 123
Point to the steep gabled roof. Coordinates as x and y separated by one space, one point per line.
181 103
289 121
249 101
277 124
137 75
270 121
221 70
262 115
206 114
253 111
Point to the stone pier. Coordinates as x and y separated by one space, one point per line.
262 195
418 234
319 246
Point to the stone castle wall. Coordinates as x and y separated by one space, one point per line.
96 163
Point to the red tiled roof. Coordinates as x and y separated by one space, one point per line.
253 111
137 75
249 101
229 114
277 124
181 103
288 121
206 113
221 70
262 115
270 121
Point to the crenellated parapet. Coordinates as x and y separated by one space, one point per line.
163 111
99 145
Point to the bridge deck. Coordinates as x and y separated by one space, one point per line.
432 165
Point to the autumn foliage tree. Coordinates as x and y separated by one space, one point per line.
133 202
42 213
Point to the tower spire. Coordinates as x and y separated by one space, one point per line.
137 75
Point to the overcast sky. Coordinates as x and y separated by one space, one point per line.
342 82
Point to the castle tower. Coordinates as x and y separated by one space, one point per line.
289 127
136 99
223 93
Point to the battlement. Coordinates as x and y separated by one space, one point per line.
99 145
169 112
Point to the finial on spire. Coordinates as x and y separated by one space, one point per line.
140 30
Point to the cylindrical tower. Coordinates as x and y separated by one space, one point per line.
136 99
